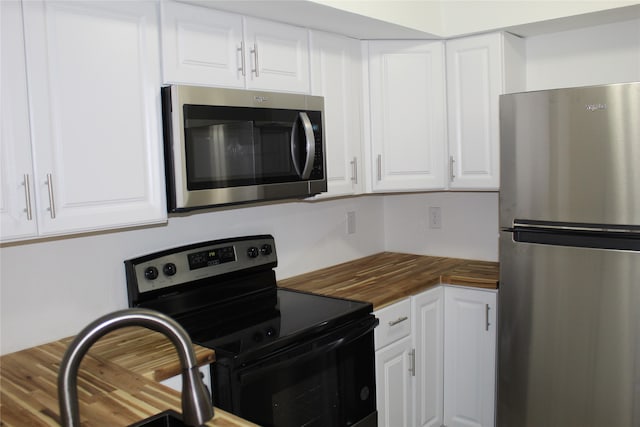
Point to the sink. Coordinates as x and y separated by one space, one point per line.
168 418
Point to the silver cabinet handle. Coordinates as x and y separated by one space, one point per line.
52 205
452 174
27 197
354 170
486 316
412 362
254 51
398 320
243 65
379 167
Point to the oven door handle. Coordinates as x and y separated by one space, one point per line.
303 172
318 345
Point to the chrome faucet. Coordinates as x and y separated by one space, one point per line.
197 407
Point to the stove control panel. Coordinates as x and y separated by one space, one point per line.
185 264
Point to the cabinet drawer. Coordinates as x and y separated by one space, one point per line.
395 323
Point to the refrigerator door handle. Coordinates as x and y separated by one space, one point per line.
616 237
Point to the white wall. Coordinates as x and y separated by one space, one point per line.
51 289
469 225
591 56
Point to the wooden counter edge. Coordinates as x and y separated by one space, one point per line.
463 272
143 351
29 391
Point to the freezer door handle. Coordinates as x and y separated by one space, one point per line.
577 235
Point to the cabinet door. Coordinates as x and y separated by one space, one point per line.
278 56
93 72
428 329
393 384
335 64
201 46
407 101
476 68
469 367
17 217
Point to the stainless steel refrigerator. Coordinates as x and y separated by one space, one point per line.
569 298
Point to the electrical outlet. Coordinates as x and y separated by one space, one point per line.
435 217
351 222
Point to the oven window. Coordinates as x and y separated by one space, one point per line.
325 382
305 394
236 146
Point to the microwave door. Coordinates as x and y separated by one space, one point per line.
303 148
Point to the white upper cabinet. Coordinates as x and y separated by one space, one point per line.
408 115
336 68
93 82
16 170
201 46
278 56
479 70
208 47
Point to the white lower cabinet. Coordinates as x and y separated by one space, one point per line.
428 333
394 364
435 359
394 385
470 357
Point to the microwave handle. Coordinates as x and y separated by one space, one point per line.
304 172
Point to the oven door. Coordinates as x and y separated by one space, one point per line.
325 381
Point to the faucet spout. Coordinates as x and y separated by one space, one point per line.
197 406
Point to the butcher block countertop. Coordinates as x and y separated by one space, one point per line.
117 382
388 277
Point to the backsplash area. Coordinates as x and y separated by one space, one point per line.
52 288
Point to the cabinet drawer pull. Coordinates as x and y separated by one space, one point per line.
27 197
486 314
398 320
354 170
243 65
452 173
412 362
52 205
256 71
379 167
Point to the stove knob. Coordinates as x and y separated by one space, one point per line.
169 269
252 252
266 249
151 273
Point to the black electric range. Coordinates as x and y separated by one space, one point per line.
224 293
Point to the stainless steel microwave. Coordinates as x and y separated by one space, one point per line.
228 146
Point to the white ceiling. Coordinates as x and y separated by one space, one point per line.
430 19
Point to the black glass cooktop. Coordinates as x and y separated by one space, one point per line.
269 319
